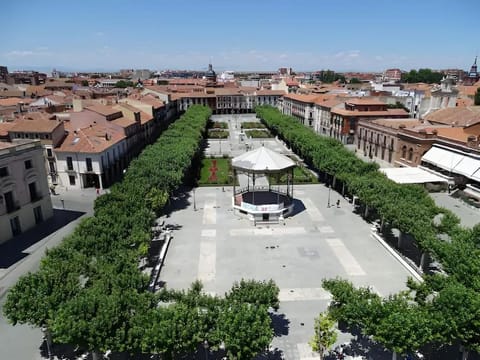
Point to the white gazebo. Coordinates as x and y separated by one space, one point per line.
256 197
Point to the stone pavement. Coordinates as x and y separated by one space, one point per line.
469 215
218 247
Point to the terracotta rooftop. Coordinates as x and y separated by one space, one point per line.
270 92
35 125
365 101
102 109
156 103
397 123
93 139
454 133
5 126
123 121
303 98
467 90
457 116
12 101
463 102
385 113
145 118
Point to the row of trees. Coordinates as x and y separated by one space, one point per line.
422 75
444 308
89 291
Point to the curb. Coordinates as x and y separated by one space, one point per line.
407 266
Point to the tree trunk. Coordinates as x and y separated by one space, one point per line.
423 260
366 211
394 356
463 352
96 355
343 189
400 240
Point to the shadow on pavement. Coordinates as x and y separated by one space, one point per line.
280 324
298 207
180 200
13 250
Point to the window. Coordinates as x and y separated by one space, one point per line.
69 163
89 164
32 187
15 226
49 153
3 171
404 151
9 202
71 178
28 164
37 213
410 154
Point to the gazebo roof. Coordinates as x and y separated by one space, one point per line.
262 160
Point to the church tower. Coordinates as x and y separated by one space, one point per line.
211 76
473 75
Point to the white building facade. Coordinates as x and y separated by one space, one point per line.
25 196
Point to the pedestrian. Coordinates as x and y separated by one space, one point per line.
338 203
98 191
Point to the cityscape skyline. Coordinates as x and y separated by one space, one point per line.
343 35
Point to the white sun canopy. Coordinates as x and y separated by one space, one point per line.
457 162
262 160
411 175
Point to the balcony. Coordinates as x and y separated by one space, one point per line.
88 170
69 170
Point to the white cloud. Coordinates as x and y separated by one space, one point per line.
19 53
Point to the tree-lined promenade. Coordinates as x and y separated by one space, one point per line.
444 308
89 291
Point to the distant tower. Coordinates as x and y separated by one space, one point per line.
211 76
473 75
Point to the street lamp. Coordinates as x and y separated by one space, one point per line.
205 347
328 203
194 202
46 335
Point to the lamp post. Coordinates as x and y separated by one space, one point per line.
328 203
47 337
194 202
205 347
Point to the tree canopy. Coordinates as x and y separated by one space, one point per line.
422 75
444 308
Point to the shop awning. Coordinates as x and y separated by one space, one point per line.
411 175
442 158
467 167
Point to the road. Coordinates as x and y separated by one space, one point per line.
22 255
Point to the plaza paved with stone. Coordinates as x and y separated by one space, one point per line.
217 246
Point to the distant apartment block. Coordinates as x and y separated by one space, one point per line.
25 198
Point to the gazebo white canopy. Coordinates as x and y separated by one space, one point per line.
262 160
263 202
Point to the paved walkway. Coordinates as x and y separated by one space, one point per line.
23 254
219 246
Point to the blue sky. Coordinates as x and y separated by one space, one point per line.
343 35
